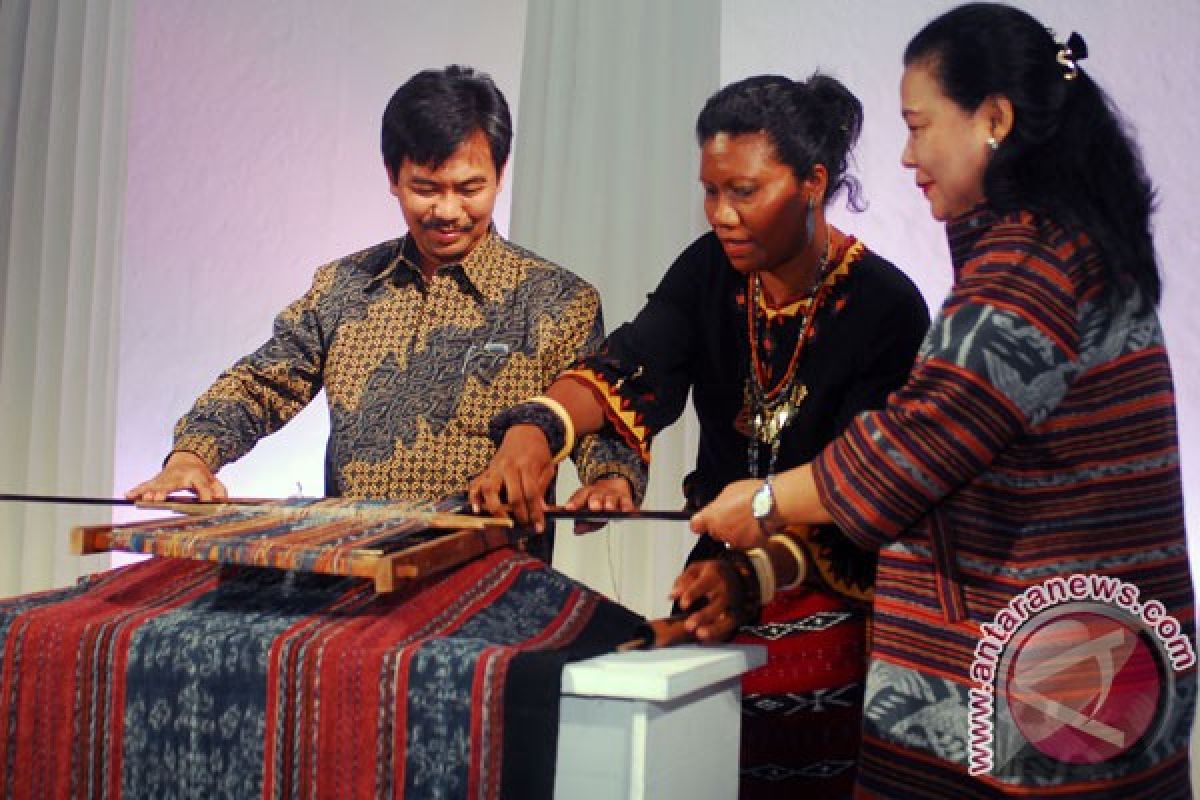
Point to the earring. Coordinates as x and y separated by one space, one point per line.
810 219
992 143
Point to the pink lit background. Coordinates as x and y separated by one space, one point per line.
253 158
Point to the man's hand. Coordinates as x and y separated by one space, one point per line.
515 480
604 494
730 519
715 591
183 471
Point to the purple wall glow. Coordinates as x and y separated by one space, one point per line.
254 158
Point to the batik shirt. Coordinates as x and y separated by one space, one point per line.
1035 441
413 370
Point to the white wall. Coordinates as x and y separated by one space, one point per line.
254 158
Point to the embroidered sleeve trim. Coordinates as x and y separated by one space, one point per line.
627 421
634 473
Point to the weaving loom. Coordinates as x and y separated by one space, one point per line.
398 653
379 540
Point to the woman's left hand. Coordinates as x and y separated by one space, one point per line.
729 518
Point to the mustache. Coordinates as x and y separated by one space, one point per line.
446 227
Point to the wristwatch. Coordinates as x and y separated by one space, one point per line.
762 505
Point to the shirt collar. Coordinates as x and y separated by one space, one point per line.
475 274
963 231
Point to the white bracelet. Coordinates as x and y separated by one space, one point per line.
765 573
797 553
568 425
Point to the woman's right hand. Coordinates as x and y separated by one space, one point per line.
714 590
516 478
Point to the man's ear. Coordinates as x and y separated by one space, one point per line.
393 180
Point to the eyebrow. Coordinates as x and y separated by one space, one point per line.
427 181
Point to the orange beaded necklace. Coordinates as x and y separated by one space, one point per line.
770 409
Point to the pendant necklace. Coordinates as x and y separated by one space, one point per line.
771 410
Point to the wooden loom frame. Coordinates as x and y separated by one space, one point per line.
468 537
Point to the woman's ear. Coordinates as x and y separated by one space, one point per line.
999 115
817 183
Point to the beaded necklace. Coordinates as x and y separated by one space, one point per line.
770 410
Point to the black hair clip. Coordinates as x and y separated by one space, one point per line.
1073 51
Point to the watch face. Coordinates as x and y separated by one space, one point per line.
761 504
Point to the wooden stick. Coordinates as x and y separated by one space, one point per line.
116 501
76 501
184 504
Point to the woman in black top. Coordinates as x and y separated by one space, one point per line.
783 328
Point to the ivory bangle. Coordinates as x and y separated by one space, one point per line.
765 573
798 554
568 425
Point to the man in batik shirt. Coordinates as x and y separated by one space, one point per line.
419 341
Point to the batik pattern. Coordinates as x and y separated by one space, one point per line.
413 369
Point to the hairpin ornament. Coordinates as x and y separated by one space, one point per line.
1073 51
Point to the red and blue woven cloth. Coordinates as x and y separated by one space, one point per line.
179 678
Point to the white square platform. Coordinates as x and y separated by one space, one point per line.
653 724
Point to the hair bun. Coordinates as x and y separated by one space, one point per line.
1077 46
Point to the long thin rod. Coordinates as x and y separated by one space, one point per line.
66 500
552 513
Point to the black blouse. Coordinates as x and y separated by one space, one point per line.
693 334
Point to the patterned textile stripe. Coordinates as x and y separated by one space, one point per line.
626 420
63 697
189 679
801 711
538 616
288 718
12 610
197 683
511 604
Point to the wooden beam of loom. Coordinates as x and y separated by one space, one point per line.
331 509
385 544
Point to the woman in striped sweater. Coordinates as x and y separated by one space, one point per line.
1033 609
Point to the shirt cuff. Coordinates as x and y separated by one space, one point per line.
205 447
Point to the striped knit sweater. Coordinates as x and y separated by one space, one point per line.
1034 441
